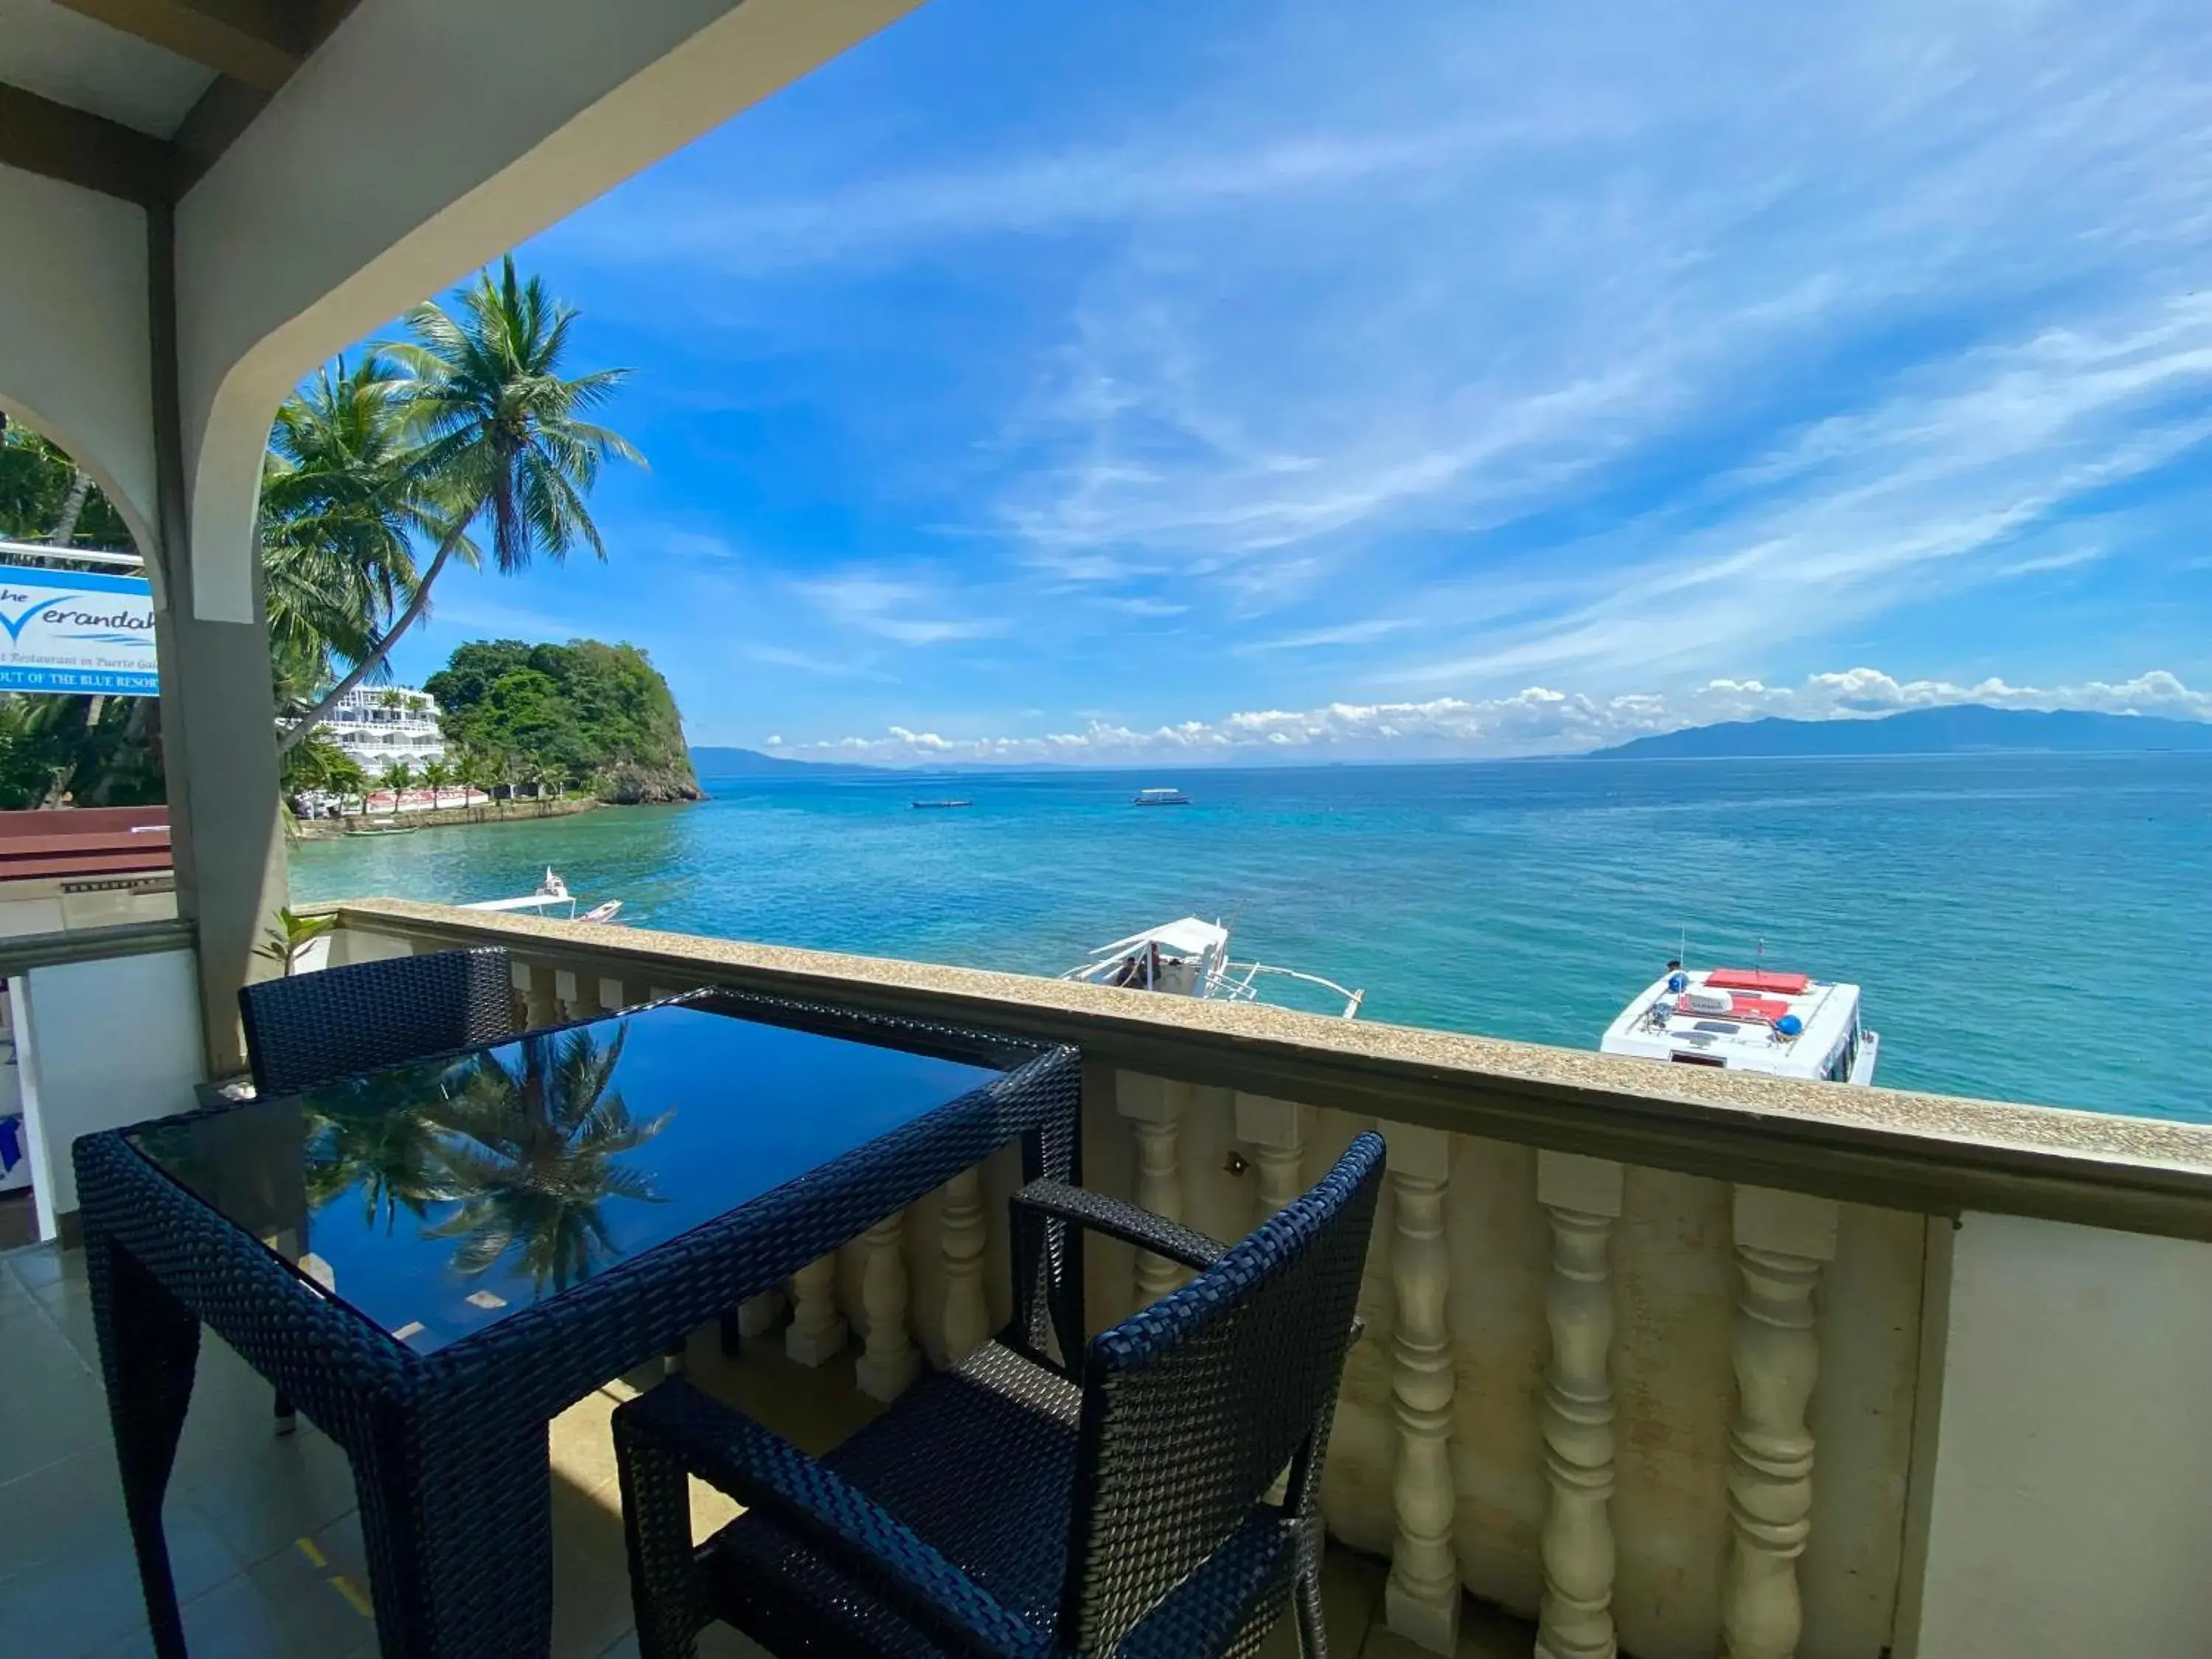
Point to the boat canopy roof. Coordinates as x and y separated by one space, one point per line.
1188 938
530 902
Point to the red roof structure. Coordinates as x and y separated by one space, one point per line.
72 843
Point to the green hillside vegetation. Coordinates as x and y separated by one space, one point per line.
582 716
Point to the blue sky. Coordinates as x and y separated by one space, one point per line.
1319 380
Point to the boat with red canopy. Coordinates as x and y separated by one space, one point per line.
1749 1020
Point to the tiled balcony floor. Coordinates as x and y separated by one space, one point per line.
262 1530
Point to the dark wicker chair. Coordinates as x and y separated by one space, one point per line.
313 1027
308 1028
1012 1507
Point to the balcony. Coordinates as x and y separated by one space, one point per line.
1703 1358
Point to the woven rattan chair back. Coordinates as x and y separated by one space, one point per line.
1193 1407
311 1027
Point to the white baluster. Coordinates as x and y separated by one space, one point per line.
1275 1131
535 984
1583 1197
759 1314
1154 1108
1421 1601
817 1332
889 1361
961 1240
1782 1241
569 995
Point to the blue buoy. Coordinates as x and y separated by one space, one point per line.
1790 1025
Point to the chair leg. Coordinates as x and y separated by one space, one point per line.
287 1419
1313 1629
656 1501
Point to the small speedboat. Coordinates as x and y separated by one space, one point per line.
1190 959
552 900
1748 1019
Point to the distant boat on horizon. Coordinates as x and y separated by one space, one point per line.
1162 798
939 805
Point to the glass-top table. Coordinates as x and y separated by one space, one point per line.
433 1262
437 1198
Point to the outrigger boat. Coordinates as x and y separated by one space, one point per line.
1190 959
1748 1019
551 895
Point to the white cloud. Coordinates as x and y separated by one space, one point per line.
1538 720
806 662
898 610
1603 344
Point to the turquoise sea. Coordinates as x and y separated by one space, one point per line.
2029 928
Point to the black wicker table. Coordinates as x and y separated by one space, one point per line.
432 1262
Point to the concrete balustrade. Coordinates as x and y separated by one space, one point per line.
1671 1365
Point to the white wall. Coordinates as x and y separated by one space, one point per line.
99 1045
74 359
2071 1511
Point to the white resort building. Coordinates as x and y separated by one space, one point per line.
378 725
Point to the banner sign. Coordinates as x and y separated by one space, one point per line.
65 631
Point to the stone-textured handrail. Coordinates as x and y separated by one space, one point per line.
1937 1154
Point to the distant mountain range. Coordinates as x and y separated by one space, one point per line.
1968 728
719 762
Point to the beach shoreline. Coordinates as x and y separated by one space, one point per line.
398 823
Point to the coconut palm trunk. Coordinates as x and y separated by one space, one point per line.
505 441
292 734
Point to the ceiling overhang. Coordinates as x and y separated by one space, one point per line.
253 47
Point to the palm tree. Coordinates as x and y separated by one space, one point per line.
341 502
436 774
398 776
469 773
503 439
534 1151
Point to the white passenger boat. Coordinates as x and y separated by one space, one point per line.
1748 1019
1161 798
553 900
1190 959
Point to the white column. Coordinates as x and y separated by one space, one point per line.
1276 1134
1782 1241
1154 1108
1421 1601
1582 1196
961 1240
817 1331
611 996
889 1361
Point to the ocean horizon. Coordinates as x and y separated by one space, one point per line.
2011 917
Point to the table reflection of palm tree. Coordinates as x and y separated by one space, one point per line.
533 1151
375 1132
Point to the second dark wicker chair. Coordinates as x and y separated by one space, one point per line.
1018 1507
312 1028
